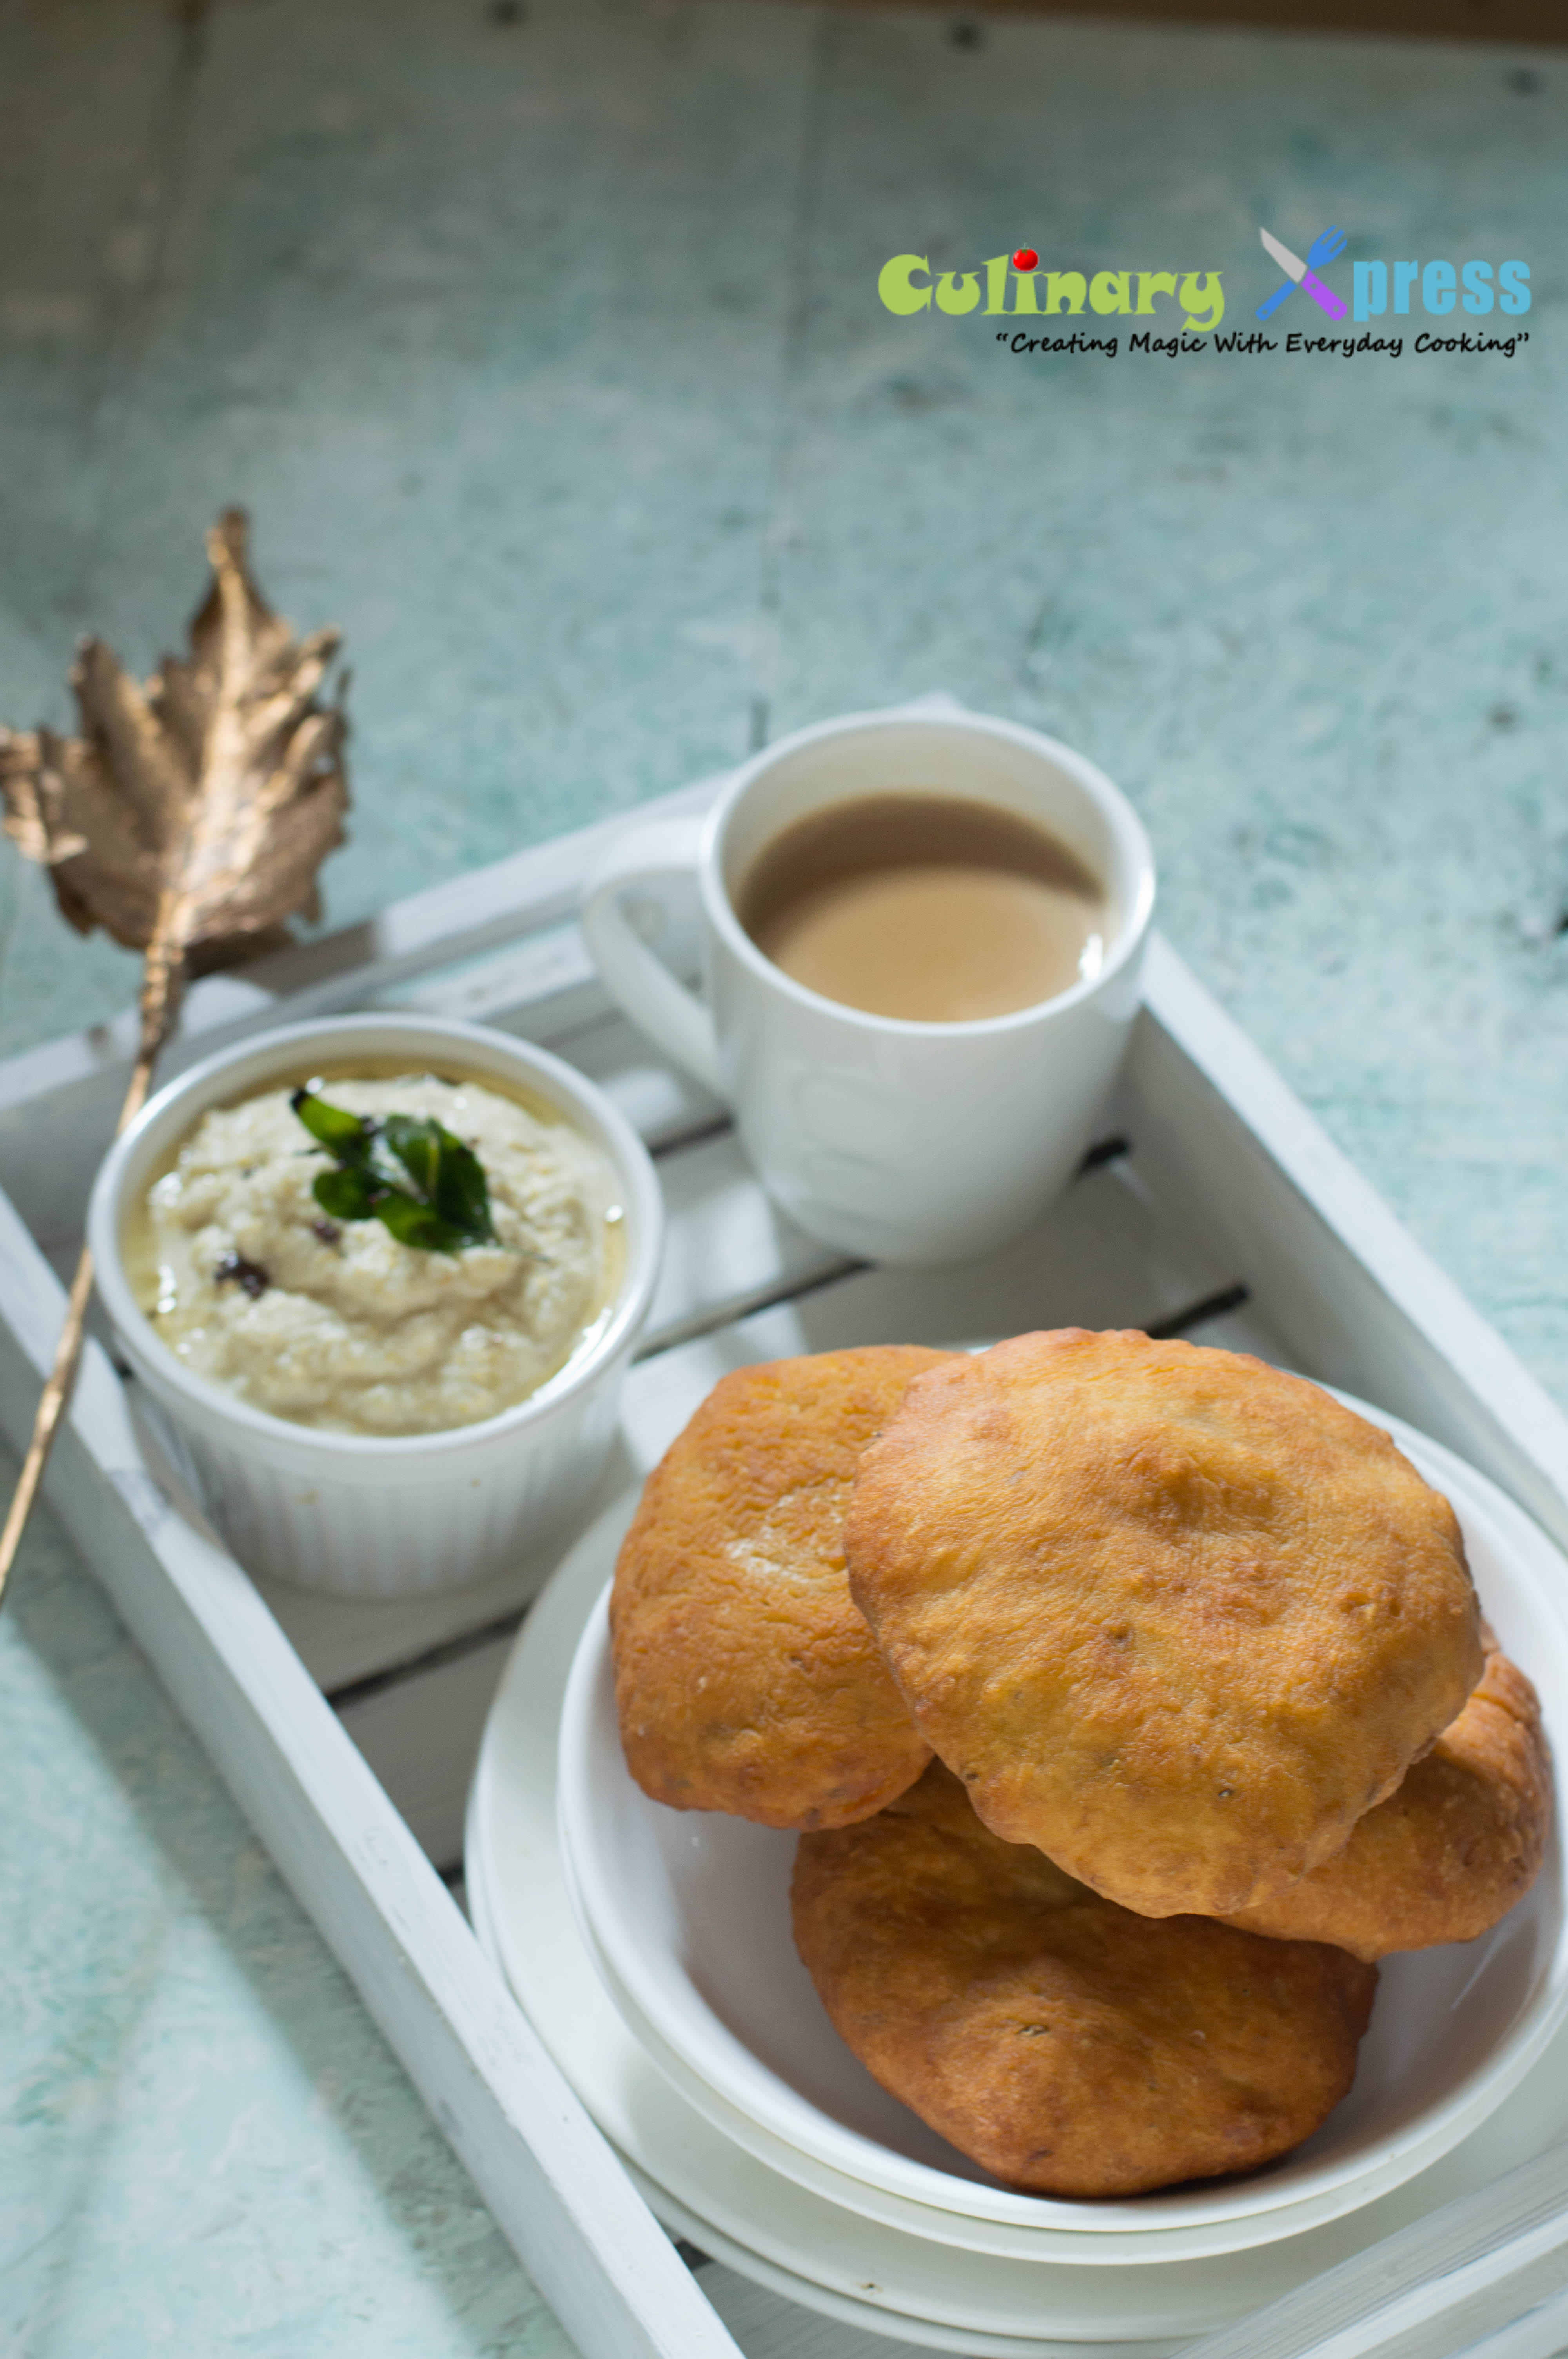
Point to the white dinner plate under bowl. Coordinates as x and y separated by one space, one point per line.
853 2312
525 1919
836 2300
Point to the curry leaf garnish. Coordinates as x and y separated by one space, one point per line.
408 1172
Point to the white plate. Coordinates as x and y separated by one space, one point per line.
690 1912
702 2233
529 1928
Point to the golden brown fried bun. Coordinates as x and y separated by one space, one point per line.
1175 1617
1064 2043
745 1677
1453 1847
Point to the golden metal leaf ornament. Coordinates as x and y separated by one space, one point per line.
193 812
188 819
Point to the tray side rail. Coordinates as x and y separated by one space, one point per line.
1246 1169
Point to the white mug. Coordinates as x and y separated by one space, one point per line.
900 1141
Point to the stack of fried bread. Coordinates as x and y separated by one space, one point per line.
1130 1698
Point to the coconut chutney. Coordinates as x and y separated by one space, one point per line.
334 1323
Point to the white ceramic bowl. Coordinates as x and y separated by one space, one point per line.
689 1913
368 1516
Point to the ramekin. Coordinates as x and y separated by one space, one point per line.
359 1515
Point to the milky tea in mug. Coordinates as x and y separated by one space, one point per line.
932 909
921 937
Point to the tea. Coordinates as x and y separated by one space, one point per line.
926 907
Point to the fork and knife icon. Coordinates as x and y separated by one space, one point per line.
1325 249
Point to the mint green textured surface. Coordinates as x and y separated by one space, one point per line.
547 354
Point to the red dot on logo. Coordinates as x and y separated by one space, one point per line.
1025 258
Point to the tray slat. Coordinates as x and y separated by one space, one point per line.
421 1733
1434 2287
462 920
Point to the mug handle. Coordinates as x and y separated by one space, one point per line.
641 986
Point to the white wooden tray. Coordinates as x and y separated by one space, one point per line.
1215 1207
